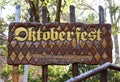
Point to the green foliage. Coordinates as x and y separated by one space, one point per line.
6 71
90 19
84 68
114 9
35 74
115 29
2 31
3 48
58 73
115 19
3 3
55 73
113 76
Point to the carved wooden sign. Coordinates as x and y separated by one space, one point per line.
59 43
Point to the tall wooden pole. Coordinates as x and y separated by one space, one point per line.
15 73
45 67
72 19
103 75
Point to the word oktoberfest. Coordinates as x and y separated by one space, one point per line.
30 34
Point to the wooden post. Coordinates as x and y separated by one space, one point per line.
44 73
44 15
15 74
101 15
72 14
45 67
72 19
103 75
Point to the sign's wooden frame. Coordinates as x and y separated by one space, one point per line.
59 43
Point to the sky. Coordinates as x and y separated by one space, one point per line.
9 10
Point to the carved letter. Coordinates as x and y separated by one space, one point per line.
54 34
83 36
17 34
92 34
98 35
61 36
31 36
46 36
78 34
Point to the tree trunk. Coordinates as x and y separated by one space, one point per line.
58 2
34 11
116 48
116 36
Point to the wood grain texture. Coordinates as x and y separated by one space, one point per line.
84 49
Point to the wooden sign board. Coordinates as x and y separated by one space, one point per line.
59 43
